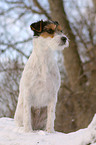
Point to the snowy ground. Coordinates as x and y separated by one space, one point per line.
11 135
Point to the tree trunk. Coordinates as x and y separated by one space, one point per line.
94 2
66 111
72 60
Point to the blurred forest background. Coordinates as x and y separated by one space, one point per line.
77 96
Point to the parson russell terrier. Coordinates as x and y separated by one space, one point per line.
40 80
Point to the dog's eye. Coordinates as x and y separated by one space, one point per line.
50 31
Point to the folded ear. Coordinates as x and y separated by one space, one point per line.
37 27
55 22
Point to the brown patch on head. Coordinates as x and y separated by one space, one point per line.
46 34
45 28
59 28
49 30
50 26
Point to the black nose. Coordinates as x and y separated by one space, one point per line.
64 39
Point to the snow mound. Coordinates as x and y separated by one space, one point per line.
12 135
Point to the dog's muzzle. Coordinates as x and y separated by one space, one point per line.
64 39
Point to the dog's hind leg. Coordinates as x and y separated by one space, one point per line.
50 116
27 114
18 117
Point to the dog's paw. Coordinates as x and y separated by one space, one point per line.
26 129
50 130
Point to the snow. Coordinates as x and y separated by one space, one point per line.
12 135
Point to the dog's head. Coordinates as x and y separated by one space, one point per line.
50 34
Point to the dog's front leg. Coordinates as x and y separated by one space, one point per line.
27 116
50 116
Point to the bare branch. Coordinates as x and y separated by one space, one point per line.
67 88
18 18
79 35
15 2
12 46
9 9
10 69
42 9
22 7
32 10
23 41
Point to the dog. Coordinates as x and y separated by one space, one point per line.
40 79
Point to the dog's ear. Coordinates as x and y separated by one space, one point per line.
37 27
55 22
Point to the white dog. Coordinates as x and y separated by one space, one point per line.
40 80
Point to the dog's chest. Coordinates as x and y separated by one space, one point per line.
41 78
47 75
43 69
50 74
47 83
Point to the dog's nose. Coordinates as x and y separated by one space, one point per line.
64 39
